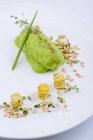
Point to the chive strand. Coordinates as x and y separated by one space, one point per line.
22 45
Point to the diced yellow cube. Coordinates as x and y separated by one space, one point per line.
59 76
59 81
43 91
16 100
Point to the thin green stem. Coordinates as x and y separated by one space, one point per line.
23 42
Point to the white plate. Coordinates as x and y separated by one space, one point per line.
53 22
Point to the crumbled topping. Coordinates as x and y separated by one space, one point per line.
69 51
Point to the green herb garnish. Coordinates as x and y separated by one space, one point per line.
29 98
23 42
6 104
25 112
76 88
20 22
51 105
70 88
61 99
37 106
21 108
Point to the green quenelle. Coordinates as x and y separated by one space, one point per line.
40 51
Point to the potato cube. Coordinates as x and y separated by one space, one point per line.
59 81
43 91
16 100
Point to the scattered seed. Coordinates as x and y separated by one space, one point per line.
75 61
65 106
71 80
81 63
24 97
77 47
67 84
64 70
75 71
61 36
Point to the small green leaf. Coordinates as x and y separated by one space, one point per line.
25 112
51 105
37 106
6 104
61 100
29 98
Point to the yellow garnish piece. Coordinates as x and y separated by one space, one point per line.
59 81
43 91
16 100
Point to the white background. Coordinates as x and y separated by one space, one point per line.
84 8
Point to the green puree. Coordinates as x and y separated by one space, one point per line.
40 51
